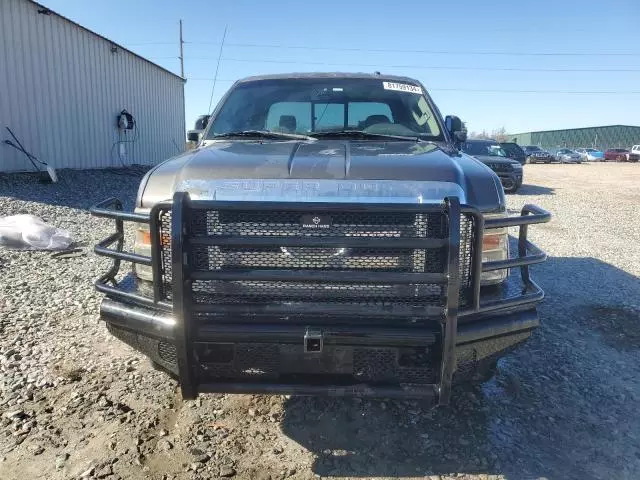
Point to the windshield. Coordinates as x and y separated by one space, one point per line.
472 148
309 105
533 149
511 149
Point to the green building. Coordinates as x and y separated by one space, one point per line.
610 136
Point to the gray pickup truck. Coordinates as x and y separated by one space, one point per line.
326 236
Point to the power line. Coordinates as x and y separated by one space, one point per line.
215 77
435 52
579 92
428 67
137 44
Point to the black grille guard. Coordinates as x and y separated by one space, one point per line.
182 308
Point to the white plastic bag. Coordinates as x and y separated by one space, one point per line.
31 233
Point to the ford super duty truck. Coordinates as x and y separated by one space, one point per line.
326 236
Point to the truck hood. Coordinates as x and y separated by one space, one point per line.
324 170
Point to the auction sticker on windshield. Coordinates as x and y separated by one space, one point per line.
402 87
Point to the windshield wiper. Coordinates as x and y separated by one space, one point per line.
362 135
262 134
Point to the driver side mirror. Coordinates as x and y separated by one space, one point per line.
196 134
456 128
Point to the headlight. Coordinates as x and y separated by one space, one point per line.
495 246
142 246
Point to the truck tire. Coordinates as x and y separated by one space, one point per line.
509 185
156 366
513 189
485 370
485 373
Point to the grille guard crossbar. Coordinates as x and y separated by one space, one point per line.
183 307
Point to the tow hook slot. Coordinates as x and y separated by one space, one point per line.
313 341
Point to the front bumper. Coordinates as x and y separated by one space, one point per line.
570 160
310 348
510 181
348 352
542 158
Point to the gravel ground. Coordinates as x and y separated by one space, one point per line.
76 403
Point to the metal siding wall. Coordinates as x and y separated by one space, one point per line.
61 89
601 138
521 138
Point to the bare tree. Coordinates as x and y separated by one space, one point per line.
483 135
499 135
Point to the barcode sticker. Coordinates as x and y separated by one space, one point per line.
402 87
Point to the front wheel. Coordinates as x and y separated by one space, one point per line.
482 372
159 368
510 186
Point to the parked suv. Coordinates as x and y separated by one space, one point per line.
327 237
493 156
634 155
514 151
537 155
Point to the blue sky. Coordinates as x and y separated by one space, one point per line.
493 46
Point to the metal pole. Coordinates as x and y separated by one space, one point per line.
181 52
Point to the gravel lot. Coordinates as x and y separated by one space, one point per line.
76 403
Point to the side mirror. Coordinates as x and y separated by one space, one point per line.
194 135
456 128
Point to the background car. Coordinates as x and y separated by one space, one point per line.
514 151
616 154
590 154
493 156
537 155
566 155
634 155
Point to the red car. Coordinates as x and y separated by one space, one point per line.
617 154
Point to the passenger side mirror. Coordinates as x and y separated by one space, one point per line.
456 128
194 135
201 124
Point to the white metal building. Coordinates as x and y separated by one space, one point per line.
63 86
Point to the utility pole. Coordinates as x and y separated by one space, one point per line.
181 52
